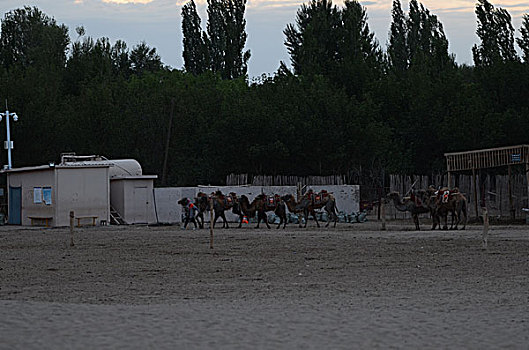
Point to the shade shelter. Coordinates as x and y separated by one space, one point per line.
488 158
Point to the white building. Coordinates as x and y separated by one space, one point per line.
86 185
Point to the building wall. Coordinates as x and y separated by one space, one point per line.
168 210
117 195
86 191
28 181
133 199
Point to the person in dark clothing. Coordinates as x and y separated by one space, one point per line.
190 210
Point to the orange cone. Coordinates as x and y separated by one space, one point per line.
244 220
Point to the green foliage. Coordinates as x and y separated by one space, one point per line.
523 41
342 108
397 46
496 33
195 53
221 49
335 43
29 37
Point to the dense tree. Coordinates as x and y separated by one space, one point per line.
341 109
195 52
496 32
523 41
397 46
361 57
335 43
144 59
226 30
29 37
313 41
221 48
427 43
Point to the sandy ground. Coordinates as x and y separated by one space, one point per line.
350 287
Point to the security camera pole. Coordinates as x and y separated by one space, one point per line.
8 144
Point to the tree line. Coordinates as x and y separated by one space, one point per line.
344 105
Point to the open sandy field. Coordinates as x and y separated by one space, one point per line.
350 287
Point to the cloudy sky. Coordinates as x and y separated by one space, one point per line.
157 22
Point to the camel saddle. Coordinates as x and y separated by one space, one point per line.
416 199
317 198
272 201
444 194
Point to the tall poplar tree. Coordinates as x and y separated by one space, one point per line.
327 40
523 41
195 53
397 47
496 33
313 40
427 43
221 48
227 36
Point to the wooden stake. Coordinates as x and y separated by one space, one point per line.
485 227
475 192
211 223
72 219
512 211
383 214
527 183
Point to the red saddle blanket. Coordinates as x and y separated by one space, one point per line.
272 201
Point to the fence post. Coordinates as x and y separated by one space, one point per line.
211 222
485 227
475 185
383 213
72 219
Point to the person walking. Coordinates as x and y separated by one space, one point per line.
190 211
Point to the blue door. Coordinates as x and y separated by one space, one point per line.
15 206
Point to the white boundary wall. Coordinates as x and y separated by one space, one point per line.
168 211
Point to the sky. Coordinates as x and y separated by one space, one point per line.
158 23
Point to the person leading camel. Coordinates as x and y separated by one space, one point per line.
190 211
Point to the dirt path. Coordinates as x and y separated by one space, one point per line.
300 288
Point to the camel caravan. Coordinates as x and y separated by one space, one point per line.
260 205
439 203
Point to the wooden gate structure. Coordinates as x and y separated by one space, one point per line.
488 158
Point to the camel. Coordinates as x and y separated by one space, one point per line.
450 201
415 206
202 203
307 205
221 203
274 204
249 210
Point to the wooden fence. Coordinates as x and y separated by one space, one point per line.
283 180
491 191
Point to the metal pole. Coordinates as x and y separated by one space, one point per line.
8 141
8 115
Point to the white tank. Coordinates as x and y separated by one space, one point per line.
118 167
124 167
